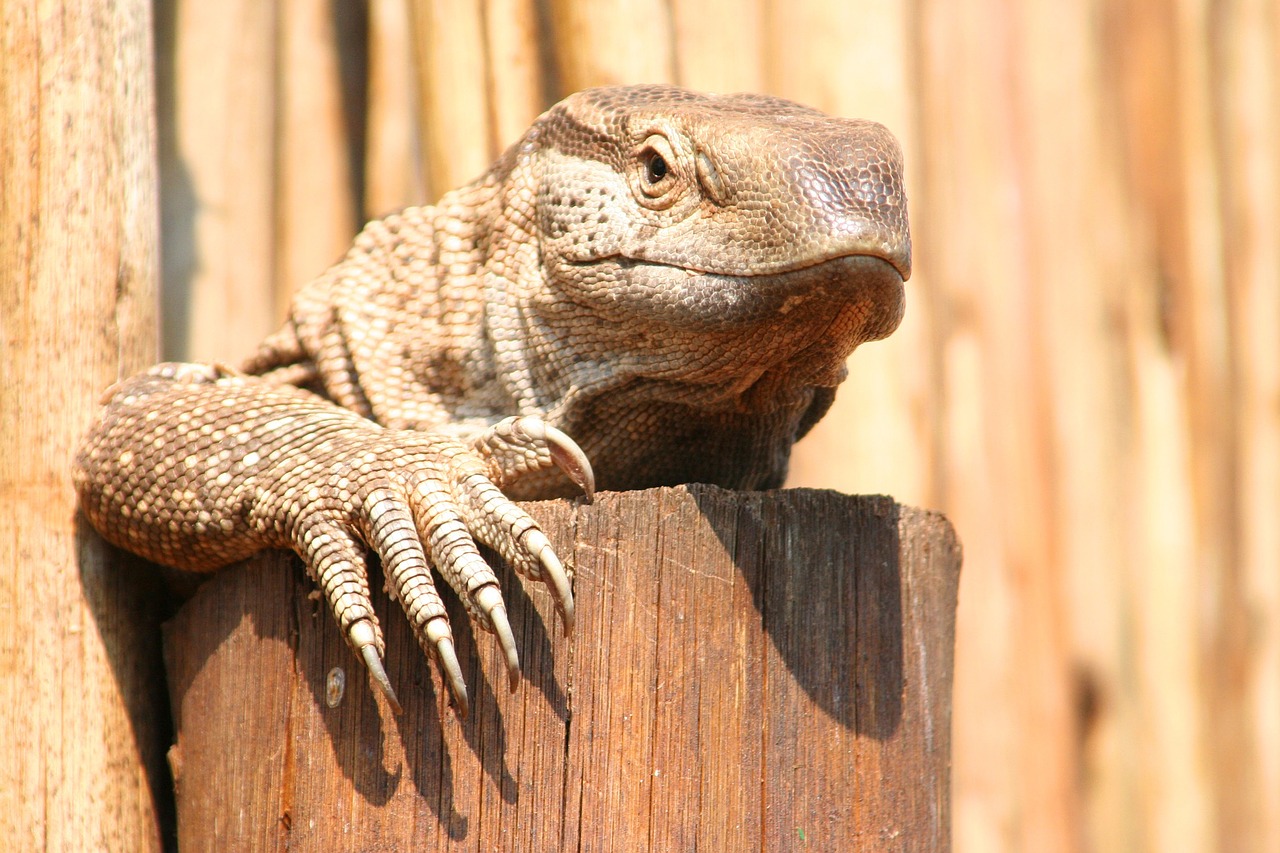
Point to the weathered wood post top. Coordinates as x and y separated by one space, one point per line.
749 671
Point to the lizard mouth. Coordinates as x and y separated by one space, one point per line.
900 261
680 296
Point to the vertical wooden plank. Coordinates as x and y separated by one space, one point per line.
522 789
984 721
708 693
458 134
320 132
799 808
1016 757
244 626
81 745
928 557
1075 183
610 43
876 673
216 70
1171 325
1199 337
533 808
393 151
849 59
611 740
518 89
1073 179
1165 628
1245 43
732 815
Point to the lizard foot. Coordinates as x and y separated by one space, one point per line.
422 501
248 465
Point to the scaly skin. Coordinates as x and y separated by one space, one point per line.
672 279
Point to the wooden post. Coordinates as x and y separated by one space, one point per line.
82 742
749 671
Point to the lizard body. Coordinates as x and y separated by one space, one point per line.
662 282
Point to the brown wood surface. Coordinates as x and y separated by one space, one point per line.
82 723
749 671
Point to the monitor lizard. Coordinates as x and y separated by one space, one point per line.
663 282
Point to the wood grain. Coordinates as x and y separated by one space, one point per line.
83 728
749 671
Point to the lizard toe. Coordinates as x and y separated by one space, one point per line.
449 524
566 454
537 543
335 561
517 446
503 526
393 535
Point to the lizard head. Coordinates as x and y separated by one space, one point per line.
718 211
768 235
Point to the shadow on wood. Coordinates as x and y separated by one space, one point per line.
749 671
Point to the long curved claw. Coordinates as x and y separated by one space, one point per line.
489 600
538 543
570 459
362 637
437 631
517 445
374 664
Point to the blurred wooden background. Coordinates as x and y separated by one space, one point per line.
1087 381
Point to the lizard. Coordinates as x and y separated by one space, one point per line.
653 286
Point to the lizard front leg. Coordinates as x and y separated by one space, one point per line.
197 467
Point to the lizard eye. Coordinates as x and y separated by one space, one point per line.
656 175
655 168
